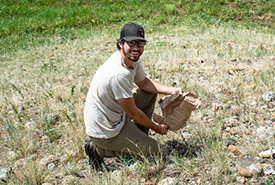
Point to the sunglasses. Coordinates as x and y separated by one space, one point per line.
139 43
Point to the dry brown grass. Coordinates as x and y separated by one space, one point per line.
226 67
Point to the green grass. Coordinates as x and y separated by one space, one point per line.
29 23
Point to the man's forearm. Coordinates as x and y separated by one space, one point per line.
153 86
142 119
130 108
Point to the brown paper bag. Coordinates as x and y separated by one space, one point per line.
176 110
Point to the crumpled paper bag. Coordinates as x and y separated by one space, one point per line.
176 110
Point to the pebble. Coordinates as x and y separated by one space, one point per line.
52 118
45 140
44 162
231 141
268 96
232 131
39 132
263 107
12 155
50 178
21 109
116 176
265 132
237 150
229 130
19 163
4 174
217 106
133 166
186 135
64 159
51 166
240 180
168 181
249 167
82 173
230 122
268 153
30 125
268 169
236 110
69 180
199 181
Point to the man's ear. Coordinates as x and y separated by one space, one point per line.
120 43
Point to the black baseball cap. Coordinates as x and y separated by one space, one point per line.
132 31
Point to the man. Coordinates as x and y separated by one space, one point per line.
116 120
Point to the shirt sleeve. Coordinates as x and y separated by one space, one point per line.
121 86
140 74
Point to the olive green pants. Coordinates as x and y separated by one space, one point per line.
133 138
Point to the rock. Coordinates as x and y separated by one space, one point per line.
235 110
230 122
133 166
45 140
19 164
217 106
240 180
168 181
52 118
231 141
229 130
231 155
48 160
39 132
32 157
82 173
237 150
50 178
268 169
249 167
21 109
199 181
268 153
149 181
265 132
186 135
116 176
268 96
263 108
64 159
30 125
51 166
4 174
69 180
12 155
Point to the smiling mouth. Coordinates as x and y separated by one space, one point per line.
135 53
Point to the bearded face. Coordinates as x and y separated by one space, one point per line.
132 49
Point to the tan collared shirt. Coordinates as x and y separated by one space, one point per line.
103 115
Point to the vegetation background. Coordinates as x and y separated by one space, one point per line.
222 50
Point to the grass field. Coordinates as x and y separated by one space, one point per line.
30 23
51 49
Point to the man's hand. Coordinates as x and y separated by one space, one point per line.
178 90
129 106
162 129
